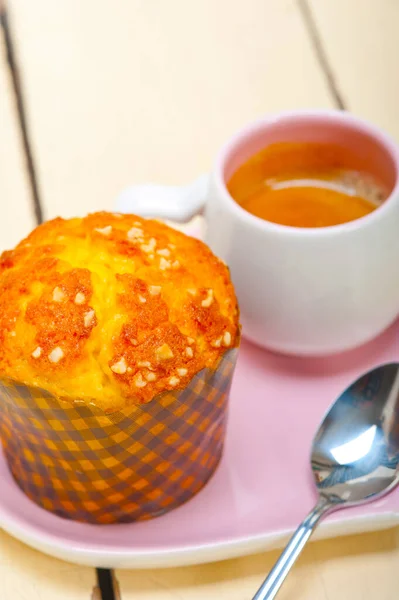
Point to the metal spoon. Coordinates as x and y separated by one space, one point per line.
355 458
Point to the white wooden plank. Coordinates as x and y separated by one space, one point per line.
236 579
361 567
361 40
29 575
352 568
131 91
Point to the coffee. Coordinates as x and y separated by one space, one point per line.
306 184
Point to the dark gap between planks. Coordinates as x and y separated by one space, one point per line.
21 113
104 576
106 584
321 54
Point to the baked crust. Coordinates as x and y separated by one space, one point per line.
112 309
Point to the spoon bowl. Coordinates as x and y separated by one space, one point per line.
355 453
354 458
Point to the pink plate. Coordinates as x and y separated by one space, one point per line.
261 491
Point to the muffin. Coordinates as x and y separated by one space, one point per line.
118 340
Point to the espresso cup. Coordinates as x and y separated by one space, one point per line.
303 291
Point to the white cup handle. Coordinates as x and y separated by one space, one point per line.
175 203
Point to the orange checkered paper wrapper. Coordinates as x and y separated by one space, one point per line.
82 464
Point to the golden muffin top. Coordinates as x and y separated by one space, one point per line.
112 309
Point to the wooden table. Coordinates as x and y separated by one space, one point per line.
147 90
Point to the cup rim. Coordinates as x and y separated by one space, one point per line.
329 115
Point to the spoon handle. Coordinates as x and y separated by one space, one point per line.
277 575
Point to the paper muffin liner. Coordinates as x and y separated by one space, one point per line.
140 462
